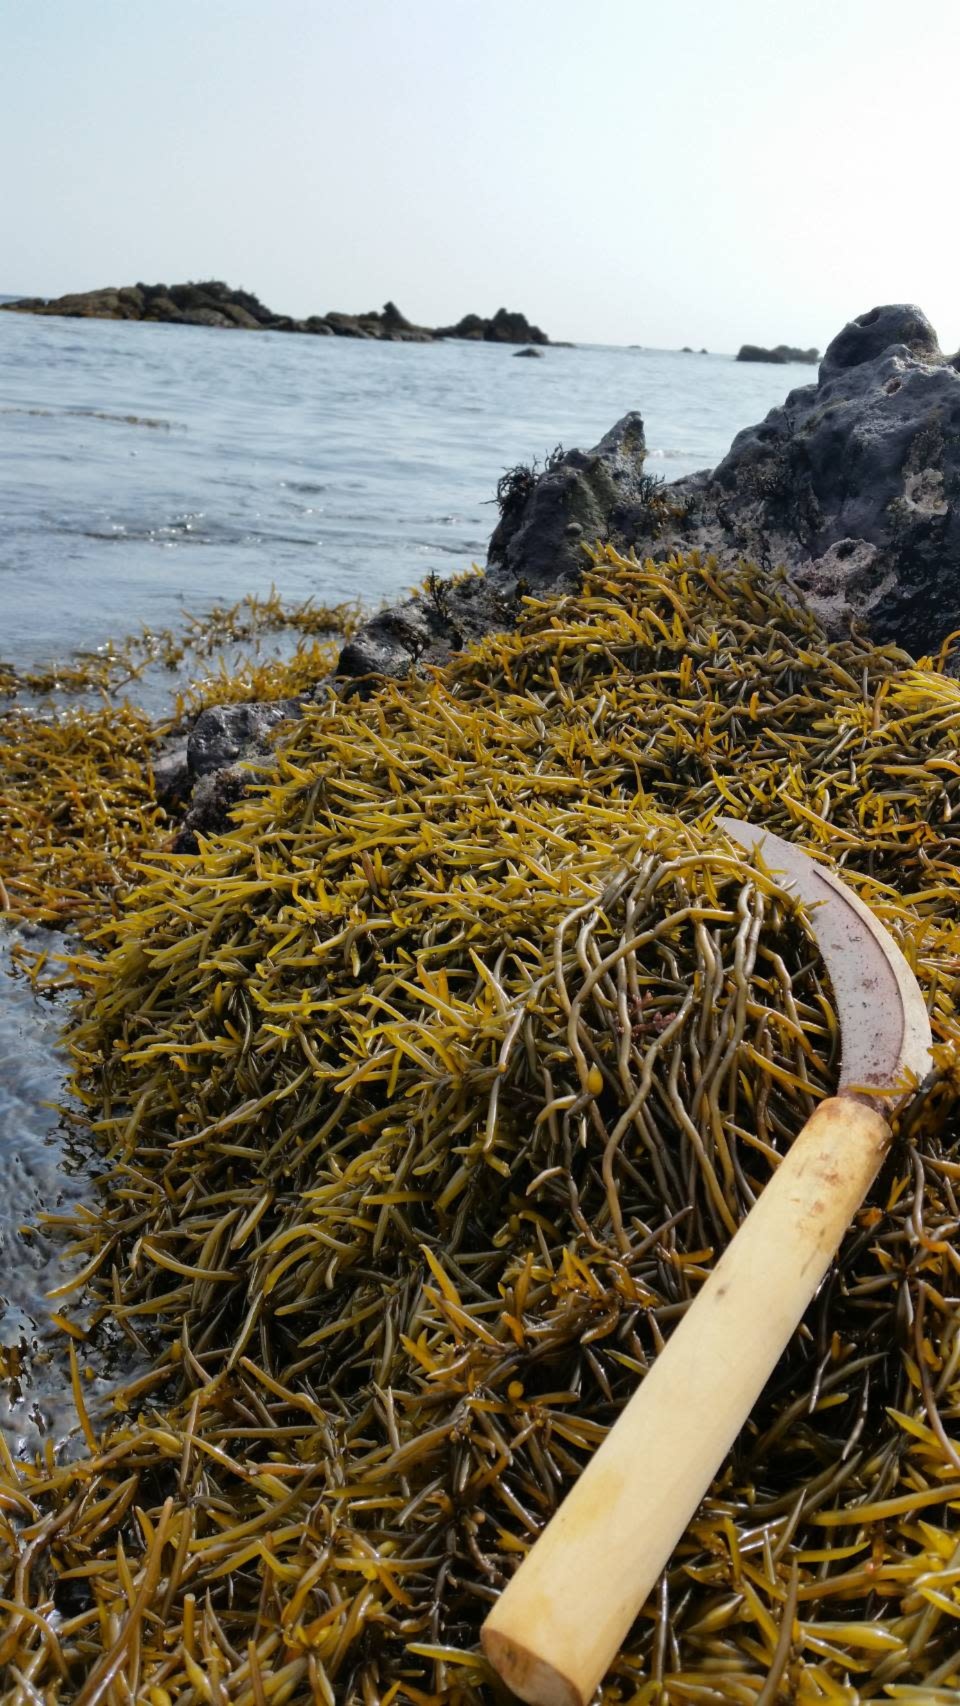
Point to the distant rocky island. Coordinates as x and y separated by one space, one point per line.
213 303
780 354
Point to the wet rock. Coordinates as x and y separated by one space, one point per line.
172 779
224 733
537 547
227 749
214 798
536 353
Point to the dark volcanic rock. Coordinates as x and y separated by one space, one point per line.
854 483
224 733
897 326
582 496
780 355
172 780
426 628
214 798
226 749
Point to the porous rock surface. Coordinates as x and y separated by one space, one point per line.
223 732
854 484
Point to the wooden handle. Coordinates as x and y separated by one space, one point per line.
562 1618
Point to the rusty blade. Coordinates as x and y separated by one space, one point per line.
884 1028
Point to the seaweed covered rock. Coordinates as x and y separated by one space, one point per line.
852 484
581 497
546 519
432 1091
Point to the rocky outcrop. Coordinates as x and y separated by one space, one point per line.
780 354
535 353
852 484
506 327
213 303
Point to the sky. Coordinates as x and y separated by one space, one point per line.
661 172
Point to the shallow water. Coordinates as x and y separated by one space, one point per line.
152 468
39 1173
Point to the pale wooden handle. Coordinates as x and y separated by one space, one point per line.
562 1618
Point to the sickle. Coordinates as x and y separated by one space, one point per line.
558 1624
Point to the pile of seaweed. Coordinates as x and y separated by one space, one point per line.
78 805
431 1093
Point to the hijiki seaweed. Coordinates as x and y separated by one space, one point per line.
431 1093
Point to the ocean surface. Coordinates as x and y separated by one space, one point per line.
150 471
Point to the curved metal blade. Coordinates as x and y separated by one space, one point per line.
884 1027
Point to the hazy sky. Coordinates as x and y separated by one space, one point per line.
625 171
